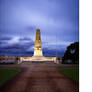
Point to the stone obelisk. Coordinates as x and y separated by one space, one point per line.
38 45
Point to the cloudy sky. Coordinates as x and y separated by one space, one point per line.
56 19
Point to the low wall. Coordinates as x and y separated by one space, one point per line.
38 58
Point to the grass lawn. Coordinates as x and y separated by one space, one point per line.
7 74
72 73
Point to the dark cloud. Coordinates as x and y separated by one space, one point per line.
20 45
13 47
25 39
58 21
30 28
5 38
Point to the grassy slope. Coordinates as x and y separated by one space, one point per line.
72 73
7 74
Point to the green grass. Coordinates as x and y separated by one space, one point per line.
72 73
7 74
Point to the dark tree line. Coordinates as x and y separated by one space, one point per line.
72 54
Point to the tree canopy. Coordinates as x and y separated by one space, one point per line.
72 53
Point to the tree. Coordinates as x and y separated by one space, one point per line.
72 54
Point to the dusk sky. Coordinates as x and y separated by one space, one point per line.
58 21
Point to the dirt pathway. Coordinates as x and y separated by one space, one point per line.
40 78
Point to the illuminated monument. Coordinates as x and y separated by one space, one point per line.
38 55
38 45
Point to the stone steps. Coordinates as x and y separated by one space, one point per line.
30 62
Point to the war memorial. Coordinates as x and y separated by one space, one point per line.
39 46
38 54
44 75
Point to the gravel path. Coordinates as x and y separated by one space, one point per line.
39 78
